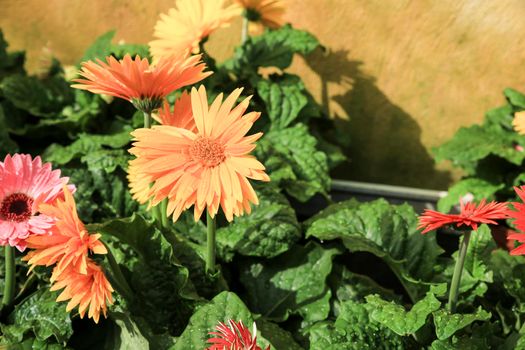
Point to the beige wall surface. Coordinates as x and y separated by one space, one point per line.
401 75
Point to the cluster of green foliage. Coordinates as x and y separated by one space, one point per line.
491 155
354 276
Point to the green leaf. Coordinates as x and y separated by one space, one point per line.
129 335
515 97
268 231
395 317
353 329
448 324
85 144
509 271
278 337
387 231
42 98
6 144
224 307
159 282
476 275
284 99
275 48
100 48
294 282
106 160
293 160
471 145
41 315
479 188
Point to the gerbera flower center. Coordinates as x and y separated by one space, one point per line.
16 207
209 152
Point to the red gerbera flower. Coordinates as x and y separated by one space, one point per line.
234 337
519 221
470 215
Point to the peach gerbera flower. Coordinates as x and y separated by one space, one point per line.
139 82
187 24
519 122
68 243
25 183
181 117
207 168
267 12
91 290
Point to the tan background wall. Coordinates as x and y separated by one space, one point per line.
406 73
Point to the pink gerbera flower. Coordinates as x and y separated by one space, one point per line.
26 183
234 337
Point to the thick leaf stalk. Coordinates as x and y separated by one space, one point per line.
244 30
9 286
458 269
147 120
120 282
211 243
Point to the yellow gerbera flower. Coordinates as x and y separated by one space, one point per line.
183 28
519 122
267 12
206 168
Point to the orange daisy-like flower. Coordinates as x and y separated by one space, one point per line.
91 291
470 215
139 82
68 243
186 25
267 12
181 116
518 214
207 168
519 122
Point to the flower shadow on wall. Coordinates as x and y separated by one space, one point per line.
384 140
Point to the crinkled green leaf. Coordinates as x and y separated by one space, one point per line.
395 317
509 271
106 160
268 231
41 315
128 335
293 160
10 62
472 144
284 99
448 324
42 98
100 47
86 144
274 48
385 230
294 282
159 282
515 97
479 188
353 329
224 307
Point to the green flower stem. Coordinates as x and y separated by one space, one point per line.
122 285
456 277
163 213
9 286
210 239
147 120
244 32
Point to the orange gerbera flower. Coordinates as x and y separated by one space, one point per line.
186 25
87 290
470 215
267 12
182 115
137 81
519 122
207 168
68 243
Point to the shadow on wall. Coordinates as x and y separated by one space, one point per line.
385 142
